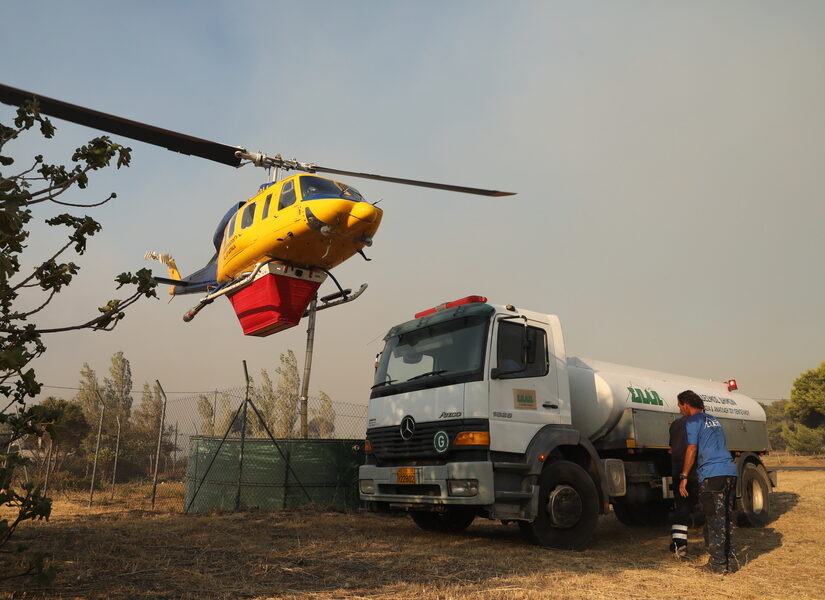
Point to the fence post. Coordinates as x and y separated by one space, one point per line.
160 438
48 466
117 451
243 440
97 448
175 450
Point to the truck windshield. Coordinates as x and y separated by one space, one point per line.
441 354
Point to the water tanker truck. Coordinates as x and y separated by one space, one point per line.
477 410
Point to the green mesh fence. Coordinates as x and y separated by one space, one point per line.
324 474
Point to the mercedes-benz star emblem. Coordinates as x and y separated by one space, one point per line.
407 428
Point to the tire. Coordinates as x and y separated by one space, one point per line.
453 520
653 512
623 512
753 508
568 508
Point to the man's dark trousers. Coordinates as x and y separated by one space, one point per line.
717 496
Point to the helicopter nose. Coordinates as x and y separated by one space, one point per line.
363 213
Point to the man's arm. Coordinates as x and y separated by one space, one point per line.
690 458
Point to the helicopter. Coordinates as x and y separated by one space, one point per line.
273 250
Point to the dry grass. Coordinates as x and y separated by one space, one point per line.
111 553
783 459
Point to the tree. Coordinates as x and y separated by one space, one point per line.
206 411
89 395
777 418
804 440
69 430
23 297
807 405
144 430
288 395
322 424
118 388
265 398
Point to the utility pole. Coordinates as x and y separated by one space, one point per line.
308 368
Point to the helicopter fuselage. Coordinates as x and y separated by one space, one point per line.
303 220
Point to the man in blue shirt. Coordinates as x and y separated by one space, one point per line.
706 447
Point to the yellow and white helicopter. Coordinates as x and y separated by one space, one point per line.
273 250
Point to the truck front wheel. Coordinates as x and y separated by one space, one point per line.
453 520
753 508
568 508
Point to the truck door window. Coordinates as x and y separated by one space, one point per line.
510 353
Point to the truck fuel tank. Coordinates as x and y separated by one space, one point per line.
627 403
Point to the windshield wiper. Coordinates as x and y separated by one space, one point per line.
430 374
388 382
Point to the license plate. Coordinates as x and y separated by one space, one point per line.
406 475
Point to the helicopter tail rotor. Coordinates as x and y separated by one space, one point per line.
171 267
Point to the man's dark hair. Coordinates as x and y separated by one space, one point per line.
692 399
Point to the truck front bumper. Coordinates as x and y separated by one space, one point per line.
429 484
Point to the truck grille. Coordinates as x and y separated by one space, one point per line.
389 447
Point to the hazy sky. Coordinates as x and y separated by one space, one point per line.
669 160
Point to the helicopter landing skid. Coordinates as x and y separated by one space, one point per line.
337 298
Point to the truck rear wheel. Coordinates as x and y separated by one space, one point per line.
652 512
753 508
454 520
568 508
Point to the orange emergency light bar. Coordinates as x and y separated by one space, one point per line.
446 305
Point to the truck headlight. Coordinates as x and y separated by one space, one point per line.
462 487
367 486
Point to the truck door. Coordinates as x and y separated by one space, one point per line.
524 394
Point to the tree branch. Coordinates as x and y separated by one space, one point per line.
36 271
23 316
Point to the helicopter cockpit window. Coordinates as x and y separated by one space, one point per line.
265 214
287 194
248 216
314 188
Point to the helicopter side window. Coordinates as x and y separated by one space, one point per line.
287 194
248 215
265 214
230 228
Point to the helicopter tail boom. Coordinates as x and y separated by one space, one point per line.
200 281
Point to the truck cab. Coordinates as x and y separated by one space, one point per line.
461 395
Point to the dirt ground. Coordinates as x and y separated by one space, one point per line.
112 553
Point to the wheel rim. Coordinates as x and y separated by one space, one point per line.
564 506
757 499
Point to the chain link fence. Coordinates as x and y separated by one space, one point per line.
207 451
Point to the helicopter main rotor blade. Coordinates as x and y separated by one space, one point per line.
171 140
427 184
187 144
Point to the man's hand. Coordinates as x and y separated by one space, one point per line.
683 488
